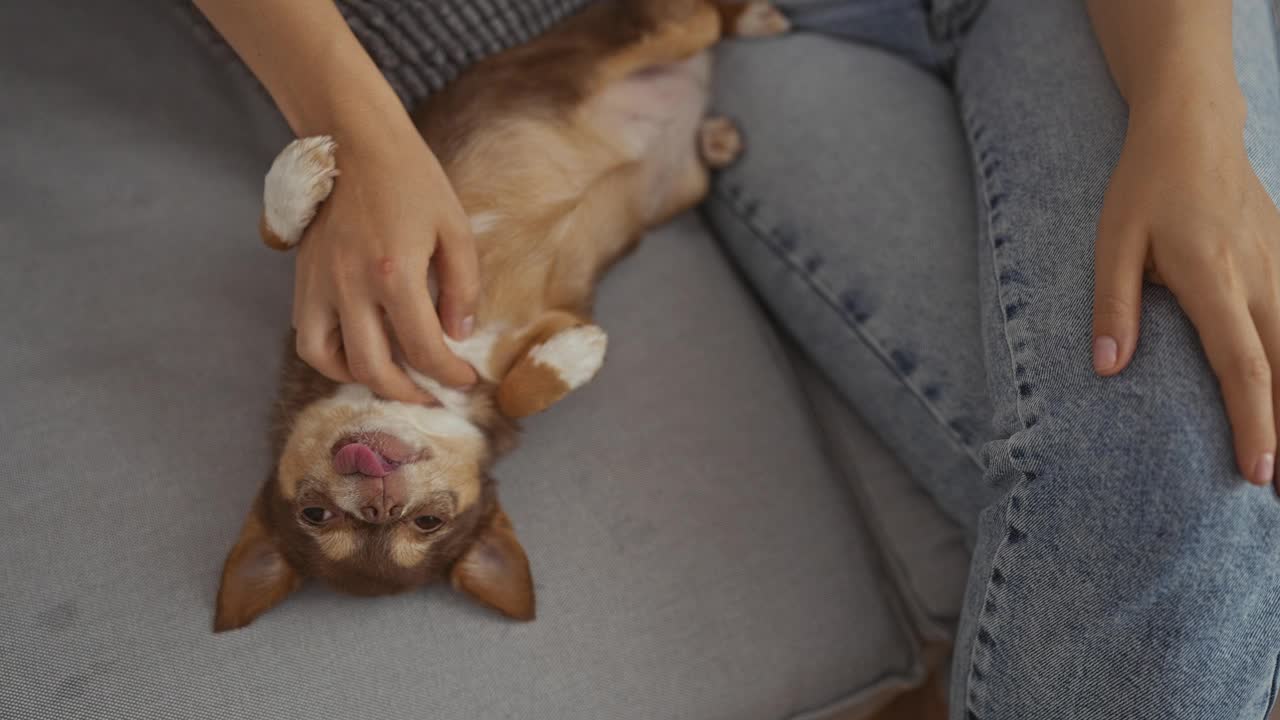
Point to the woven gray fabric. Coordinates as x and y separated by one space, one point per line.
694 552
421 45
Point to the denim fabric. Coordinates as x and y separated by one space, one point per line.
1121 567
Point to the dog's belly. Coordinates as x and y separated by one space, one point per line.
653 117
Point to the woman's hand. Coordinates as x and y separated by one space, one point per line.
361 285
1186 208
362 265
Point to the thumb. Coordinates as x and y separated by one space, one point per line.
1119 257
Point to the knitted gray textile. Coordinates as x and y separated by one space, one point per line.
421 45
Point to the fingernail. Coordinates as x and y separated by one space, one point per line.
1265 469
1105 352
468 324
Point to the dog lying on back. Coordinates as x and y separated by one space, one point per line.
563 151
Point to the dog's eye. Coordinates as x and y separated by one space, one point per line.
316 515
428 523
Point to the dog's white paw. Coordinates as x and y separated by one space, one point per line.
575 354
299 180
760 19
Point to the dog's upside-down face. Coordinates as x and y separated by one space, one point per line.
375 497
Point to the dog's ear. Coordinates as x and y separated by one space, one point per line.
495 571
255 578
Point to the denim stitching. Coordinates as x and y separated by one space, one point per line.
852 322
1009 282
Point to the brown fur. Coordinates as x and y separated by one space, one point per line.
547 254
528 388
270 239
531 138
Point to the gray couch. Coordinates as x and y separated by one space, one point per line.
713 534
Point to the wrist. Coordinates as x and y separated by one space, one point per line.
1186 80
363 110
345 95
1213 108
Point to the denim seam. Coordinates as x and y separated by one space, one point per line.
767 239
988 185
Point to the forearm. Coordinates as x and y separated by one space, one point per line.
1174 55
304 54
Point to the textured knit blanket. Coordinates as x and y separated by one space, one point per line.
421 45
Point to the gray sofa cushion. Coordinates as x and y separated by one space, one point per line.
694 552
924 551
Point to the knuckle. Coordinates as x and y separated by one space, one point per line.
387 271
421 351
1112 306
1267 273
392 278
1253 368
346 266
363 369
1229 280
455 226
1219 253
309 348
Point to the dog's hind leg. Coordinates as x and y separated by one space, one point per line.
757 18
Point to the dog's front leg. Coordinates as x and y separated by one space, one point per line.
562 353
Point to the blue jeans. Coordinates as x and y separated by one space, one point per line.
917 206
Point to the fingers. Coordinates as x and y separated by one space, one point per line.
418 331
458 270
370 362
1240 360
319 343
1117 297
1267 321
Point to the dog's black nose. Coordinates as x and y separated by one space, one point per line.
380 512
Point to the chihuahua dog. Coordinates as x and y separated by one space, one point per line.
563 152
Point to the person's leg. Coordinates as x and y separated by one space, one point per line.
1126 571
851 213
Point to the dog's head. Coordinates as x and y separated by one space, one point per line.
375 497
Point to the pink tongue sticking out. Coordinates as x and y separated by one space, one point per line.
360 458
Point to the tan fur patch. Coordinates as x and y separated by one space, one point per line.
305 452
530 388
458 467
338 544
405 551
684 29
